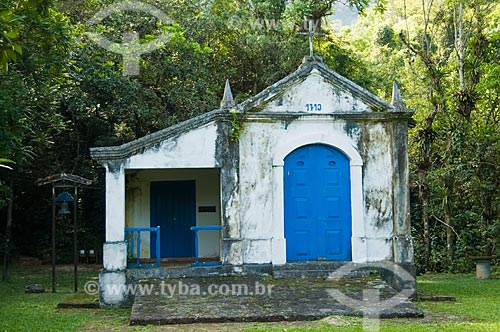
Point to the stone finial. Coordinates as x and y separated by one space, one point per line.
227 100
397 101
312 59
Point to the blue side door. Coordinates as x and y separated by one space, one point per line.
173 208
317 204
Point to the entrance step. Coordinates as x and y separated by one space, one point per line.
134 275
289 270
313 270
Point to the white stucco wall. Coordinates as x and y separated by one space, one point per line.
207 184
192 149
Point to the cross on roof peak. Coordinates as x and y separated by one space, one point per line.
312 25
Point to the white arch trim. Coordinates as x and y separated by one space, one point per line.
358 243
338 141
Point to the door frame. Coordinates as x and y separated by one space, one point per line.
317 219
344 144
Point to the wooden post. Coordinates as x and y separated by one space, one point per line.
53 238
75 238
5 276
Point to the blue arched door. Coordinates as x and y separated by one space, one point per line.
317 190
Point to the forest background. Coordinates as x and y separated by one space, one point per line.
60 94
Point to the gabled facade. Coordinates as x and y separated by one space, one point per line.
314 168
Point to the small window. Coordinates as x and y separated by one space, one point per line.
300 163
332 163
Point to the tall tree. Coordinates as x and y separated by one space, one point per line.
441 53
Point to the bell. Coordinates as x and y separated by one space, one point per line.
64 208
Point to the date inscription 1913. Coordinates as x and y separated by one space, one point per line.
314 107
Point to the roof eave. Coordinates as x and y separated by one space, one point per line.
109 153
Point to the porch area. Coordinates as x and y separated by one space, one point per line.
172 216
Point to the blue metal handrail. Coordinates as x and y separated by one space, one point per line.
202 228
131 239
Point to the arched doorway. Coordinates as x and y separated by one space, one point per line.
317 204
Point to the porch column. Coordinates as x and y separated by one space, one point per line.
112 278
115 204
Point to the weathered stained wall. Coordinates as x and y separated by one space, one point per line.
374 144
315 105
258 143
190 145
192 149
403 244
244 177
227 158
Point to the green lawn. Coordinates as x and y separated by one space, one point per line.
477 308
37 312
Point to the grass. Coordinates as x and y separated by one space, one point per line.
37 312
478 299
476 308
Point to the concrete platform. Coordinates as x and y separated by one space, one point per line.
260 299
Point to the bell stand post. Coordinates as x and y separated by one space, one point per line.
65 181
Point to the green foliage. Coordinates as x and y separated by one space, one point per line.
4 161
63 94
237 126
454 145
10 27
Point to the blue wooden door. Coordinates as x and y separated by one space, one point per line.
317 198
173 208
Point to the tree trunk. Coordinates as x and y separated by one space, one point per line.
450 235
5 275
424 200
